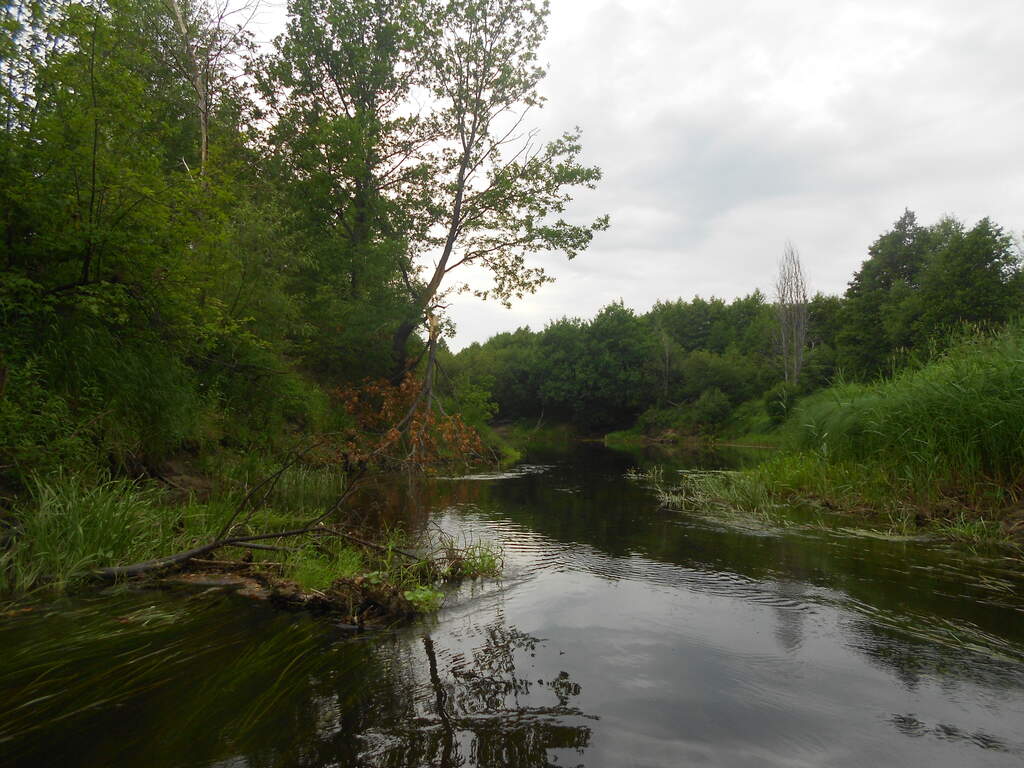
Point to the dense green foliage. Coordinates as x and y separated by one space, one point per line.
206 251
202 244
604 373
918 284
153 300
210 251
707 366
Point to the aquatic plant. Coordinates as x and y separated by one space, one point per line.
424 598
458 558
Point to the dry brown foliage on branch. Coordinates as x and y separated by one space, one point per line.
404 424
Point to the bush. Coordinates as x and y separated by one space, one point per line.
261 398
779 401
39 430
711 409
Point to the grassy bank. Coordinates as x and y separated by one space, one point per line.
69 526
940 447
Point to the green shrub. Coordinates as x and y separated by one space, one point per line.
145 401
39 430
711 409
779 401
749 418
263 400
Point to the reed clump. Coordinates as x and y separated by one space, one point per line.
938 447
68 527
952 430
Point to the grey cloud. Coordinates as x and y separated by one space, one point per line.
726 128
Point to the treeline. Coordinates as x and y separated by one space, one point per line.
708 365
202 243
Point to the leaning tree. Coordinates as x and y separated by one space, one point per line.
496 195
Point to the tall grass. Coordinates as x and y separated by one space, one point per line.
68 527
952 428
941 445
299 490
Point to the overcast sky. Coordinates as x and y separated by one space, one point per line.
726 128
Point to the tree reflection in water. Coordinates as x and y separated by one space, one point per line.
480 710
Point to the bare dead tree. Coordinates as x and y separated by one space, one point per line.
791 309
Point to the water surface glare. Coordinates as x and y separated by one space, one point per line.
619 635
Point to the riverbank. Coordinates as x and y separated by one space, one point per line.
290 530
935 449
618 627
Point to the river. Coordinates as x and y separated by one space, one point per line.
620 634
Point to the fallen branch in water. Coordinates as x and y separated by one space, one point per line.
265 547
370 544
313 526
137 569
239 565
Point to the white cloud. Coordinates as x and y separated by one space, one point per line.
726 128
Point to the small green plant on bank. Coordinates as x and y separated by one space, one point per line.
480 560
313 568
972 531
424 598
460 559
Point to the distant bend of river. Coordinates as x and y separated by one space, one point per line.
620 634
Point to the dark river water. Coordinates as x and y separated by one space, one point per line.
619 635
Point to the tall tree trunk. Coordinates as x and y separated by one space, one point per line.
199 79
